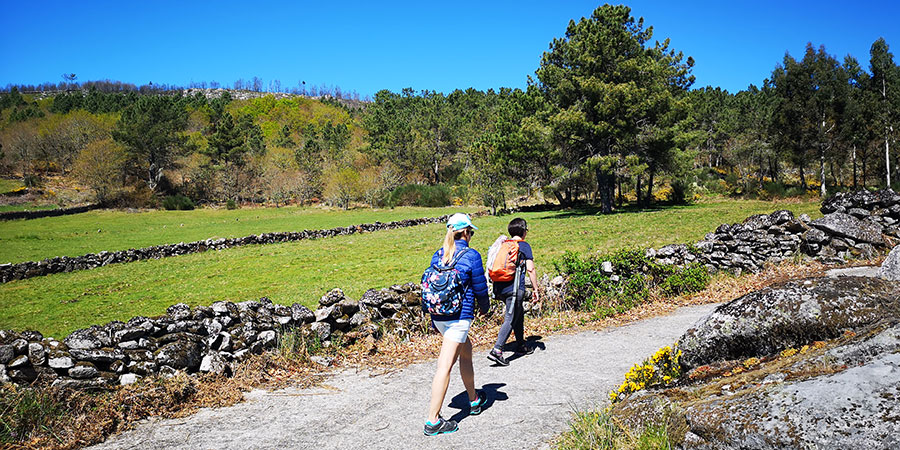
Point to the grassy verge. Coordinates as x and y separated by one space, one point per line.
303 271
95 231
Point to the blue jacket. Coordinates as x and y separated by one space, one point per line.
471 274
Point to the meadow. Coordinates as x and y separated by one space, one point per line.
110 230
303 271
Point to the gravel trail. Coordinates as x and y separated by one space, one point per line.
529 402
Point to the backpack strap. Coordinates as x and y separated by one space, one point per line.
453 261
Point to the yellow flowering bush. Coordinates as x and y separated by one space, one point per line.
788 352
660 369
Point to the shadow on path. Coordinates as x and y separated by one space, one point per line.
461 401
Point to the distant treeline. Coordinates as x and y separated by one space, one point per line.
608 118
255 84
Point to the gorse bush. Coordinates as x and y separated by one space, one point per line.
178 202
661 369
634 277
420 195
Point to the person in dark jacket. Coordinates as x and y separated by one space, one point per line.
512 294
455 328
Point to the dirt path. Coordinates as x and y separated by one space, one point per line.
529 402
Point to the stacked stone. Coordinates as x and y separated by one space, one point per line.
857 225
29 269
202 339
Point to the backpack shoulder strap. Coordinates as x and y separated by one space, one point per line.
457 257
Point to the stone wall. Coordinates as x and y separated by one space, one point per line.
201 339
13 215
857 225
18 271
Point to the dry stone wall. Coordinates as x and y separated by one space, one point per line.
13 215
857 225
18 271
201 339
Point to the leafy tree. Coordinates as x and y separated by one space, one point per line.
342 186
885 84
151 130
100 165
856 132
811 94
608 87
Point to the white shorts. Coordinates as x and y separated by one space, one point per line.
455 330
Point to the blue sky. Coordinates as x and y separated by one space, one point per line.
368 46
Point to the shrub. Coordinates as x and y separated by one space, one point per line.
692 278
420 195
178 202
661 369
634 277
32 180
230 204
590 288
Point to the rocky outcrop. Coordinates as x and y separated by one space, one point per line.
809 364
201 339
788 315
29 269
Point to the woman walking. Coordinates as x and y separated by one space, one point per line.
466 286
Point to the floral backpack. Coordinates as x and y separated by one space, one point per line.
442 288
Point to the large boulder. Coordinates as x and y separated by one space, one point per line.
835 385
845 225
843 396
794 313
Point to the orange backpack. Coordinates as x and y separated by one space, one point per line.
506 261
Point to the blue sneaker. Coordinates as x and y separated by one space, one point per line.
441 427
475 407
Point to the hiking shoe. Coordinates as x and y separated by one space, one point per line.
524 349
497 357
441 427
475 407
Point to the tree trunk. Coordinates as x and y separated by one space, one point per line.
887 156
822 191
605 186
619 194
854 167
650 187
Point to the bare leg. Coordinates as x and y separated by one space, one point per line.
449 352
466 370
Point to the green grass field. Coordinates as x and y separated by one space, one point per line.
77 234
303 271
9 185
30 206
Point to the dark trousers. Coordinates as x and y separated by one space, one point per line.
513 321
